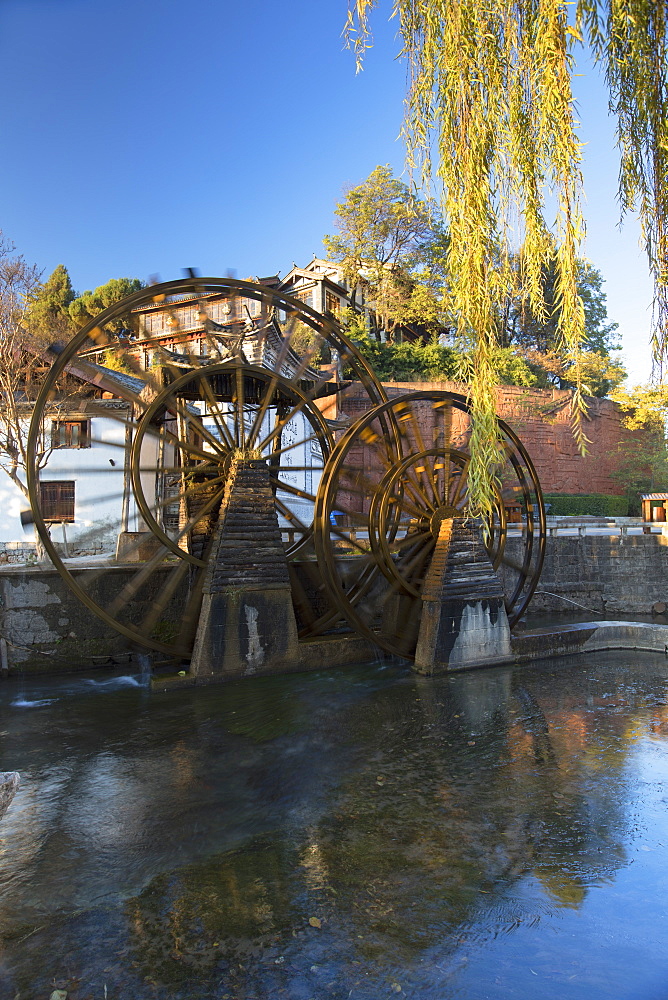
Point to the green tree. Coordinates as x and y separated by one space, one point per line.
527 327
598 374
490 115
392 244
643 463
47 315
26 304
601 336
409 361
413 361
87 305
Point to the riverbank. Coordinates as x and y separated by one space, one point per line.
44 628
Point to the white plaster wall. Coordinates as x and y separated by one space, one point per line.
12 502
98 491
306 461
98 488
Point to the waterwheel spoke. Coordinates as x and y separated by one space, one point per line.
190 617
301 600
238 402
290 516
194 421
285 420
412 568
213 407
167 592
188 492
376 439
132 587
461 483
187 446
105 470
415 488
292 490
296 444
442 442
265 403
409 540
366 492
304 364
423 470
407 505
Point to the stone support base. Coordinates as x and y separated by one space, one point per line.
464 622
247 623
244 633
136 546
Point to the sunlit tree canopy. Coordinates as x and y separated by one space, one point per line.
490 118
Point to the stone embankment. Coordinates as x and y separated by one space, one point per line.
44 628
613 575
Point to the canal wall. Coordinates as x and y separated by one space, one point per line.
609 574
44 628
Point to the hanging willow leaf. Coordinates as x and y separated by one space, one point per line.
629 40
489 115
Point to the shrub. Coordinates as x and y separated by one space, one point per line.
574 504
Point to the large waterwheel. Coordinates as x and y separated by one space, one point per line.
249 372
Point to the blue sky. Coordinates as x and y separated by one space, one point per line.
144 137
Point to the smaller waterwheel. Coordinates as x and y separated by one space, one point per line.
379 509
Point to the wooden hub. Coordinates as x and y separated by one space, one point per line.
441 514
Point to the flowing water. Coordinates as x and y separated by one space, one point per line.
363 833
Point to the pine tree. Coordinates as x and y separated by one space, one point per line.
47 315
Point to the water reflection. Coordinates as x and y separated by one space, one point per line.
360 833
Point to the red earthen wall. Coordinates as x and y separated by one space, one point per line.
542 422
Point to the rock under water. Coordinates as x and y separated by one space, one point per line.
9 783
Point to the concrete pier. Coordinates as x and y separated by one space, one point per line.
464 622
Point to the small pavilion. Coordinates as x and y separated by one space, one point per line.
651 509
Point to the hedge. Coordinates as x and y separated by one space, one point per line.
574 504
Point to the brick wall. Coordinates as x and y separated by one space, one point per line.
541 420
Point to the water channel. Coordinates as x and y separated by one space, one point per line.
359 833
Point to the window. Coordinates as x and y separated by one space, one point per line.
333 303
305 296
57 500
70 434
